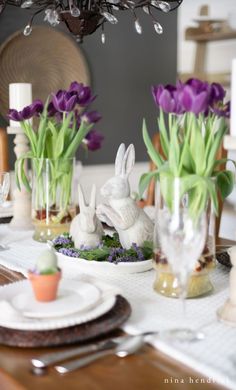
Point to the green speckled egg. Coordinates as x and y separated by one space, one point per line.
47 260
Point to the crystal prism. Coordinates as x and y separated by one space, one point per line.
164 6
27 30
75 12
52 17
131 3
138 26
27 4
155 3
158 28
146 9
103 38
109 17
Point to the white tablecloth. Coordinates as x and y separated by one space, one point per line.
150 311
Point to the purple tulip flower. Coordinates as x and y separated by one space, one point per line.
197 85
28 112
91 117
217 93
64 101
51 110
193 99
84 93
222 110
167 98
94 140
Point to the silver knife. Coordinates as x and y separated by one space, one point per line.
48 359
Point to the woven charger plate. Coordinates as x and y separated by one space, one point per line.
48 58
74 334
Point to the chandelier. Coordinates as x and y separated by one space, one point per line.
84 17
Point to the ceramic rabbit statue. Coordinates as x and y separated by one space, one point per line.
227 312
122 212
86 229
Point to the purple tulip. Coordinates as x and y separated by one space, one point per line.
167 98
197 85
217 93
84 93
28 112
51 110
64 101
91 117
222 110
156 93
75 87
94 140
192 100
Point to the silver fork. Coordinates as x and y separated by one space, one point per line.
49 359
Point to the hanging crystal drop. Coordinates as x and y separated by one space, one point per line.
79 39
27 30
138 26
27 4
158 28
164 6
109 17
52 17
155 3
75 12
103 38
146 9
131 3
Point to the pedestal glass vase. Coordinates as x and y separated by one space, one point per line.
4 186
52 203
181 230
199 283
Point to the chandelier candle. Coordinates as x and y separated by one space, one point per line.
233 100
20 95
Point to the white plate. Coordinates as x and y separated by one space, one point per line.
73 296
103 266
40 324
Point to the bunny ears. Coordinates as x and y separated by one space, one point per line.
82 203
124 160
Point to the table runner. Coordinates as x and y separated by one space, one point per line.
150 311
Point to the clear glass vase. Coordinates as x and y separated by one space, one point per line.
53 207
199 281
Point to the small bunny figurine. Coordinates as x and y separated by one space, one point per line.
86 229
227 312
122 212
232 279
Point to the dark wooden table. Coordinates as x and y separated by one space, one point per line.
147 370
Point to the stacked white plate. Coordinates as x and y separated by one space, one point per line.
77 302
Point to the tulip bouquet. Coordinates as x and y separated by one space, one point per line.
191 138
62 128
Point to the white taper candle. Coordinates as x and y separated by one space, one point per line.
20 95
233 100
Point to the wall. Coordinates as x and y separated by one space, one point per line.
123 71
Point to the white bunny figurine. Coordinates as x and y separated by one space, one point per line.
122 212
86 229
